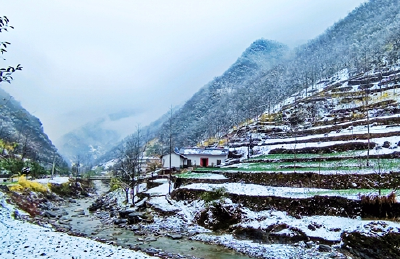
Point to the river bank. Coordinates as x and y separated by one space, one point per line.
157 216
72 217
21 239
165 228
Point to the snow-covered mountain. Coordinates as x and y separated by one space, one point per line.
224 101
88 142
268 72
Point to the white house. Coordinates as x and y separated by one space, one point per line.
177 160
204 156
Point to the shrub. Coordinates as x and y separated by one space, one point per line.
16 188
74 187
24 184
115 184
63 189
215 194
13 166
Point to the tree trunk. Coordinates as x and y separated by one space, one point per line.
126 194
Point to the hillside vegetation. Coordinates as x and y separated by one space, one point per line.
268 72
23 142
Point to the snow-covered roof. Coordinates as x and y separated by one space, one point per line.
176 153
204 151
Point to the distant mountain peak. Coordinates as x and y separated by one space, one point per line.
263 45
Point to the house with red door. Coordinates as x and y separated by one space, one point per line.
204 156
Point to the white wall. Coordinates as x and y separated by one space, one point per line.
176 161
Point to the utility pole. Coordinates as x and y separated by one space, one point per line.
170 150
54 165
369 136
76 177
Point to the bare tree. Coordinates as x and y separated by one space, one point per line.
128 161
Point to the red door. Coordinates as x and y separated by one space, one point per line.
204 162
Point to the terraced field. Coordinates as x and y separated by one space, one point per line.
332 153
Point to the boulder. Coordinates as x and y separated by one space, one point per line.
324 248
120 221
175 236
96 205
219 215
124 213
135 217
288 235
375 240
386 144
4 188
151 251
49 214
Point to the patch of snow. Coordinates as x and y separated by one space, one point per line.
55 180
163 189
266 251
206 176
256 190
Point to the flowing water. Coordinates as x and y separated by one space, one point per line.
92 227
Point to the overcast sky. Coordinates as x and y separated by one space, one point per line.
85 59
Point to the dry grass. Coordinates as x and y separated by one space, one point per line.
375 199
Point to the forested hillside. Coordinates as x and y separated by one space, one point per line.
225 100
22 134
266 73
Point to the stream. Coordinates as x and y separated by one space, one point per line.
92 227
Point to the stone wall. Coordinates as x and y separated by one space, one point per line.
315 180
297 207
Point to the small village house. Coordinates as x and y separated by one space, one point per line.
204 156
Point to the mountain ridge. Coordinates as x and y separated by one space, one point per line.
18 126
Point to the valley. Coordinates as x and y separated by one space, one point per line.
288 153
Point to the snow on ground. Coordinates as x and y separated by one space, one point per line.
326 227
205 176
237 167
109 164
267 251
183 218
345 132
294 146
25 240
160 202
55 180
262 190
273 251
257 190
160 190
263 150
330 227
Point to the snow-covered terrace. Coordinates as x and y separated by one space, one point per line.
293 146
345 132
330 227
265 191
